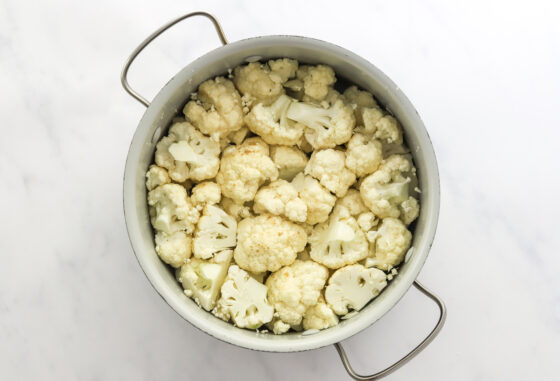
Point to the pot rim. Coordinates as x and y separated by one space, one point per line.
248 339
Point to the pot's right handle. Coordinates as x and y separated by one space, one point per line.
411 354
151 37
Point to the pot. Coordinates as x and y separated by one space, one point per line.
170 101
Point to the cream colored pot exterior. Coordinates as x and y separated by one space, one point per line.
170 101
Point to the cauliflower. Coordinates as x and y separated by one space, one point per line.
202 280
280 198
174 248
327 166
186 153
218 111
295 288
237 211
361 100
352 201
392 241
204 193
264 82
278 327
338 242
271 124
156 176
244 300
385 128
244 168
316 80
367 221
319 201
216 231
363 155
386 191
289 160
409 210
171 210
266 243
319 316
352 287
325 128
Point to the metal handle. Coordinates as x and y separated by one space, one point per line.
411 354
151 37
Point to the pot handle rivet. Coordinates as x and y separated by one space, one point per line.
150 38
411 354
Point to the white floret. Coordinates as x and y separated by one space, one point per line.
295 288
319 201
244 168
202 279
280 198
352 287
218 111
327 166
325 128
386 191
174 249
206 193
271 123
278 327
289 160
171 210
360 100
187 154
156 176
267 242
244 300
320 316
352 201
317 80
363 155
338 242
215 232
259 82
391 241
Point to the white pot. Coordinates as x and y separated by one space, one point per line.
170 101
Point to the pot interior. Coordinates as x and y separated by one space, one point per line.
169 103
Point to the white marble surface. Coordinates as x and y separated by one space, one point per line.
74 304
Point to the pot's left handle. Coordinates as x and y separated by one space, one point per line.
152 37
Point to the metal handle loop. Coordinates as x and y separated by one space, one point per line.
411 354
151 37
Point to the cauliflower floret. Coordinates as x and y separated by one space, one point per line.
218 110
316 80
352 201
392 241
325 128
386 191
295 288
319 201
352 287
266 243
361 99
271 124
409 210
174 249
216 231
367 221
327 166
156 176
171 210
363 155
237 211
244 168
338 242
319 316
382 127
289 160
278 327
259 82
202 280
280 198
186 153
244 300
204 193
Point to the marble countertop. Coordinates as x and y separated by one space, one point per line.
75 305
